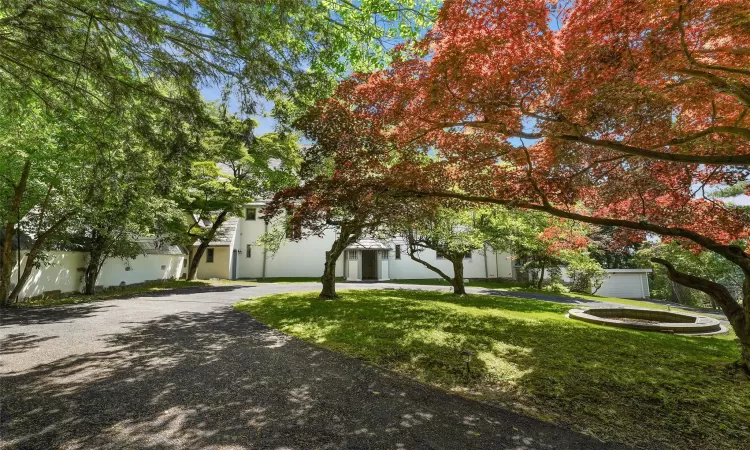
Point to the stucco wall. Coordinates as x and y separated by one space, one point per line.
61 275
64 272
217 269
407 268
293 259
142 268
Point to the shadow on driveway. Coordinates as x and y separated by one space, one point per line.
197 380
39 315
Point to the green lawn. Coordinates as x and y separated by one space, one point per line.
615 384
517 287
283 280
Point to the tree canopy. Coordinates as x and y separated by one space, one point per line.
623 114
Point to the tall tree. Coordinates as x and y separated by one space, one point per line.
540 241
323 205
41 182
49 48
450 231
237 167
124 208
622 114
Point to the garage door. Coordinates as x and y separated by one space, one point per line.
625 285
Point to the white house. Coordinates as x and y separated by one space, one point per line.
236 255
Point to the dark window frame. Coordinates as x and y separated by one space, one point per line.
398 251
248 250
254 215
209 255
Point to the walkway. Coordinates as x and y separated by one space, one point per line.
181 369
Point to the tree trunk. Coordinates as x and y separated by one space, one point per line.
540 284
737 314
34 251
412 250
92 273
349 234
458 277
329 278
744 361
196 260
8 260
205 241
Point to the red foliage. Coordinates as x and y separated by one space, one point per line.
620 110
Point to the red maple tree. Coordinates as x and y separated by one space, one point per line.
619 113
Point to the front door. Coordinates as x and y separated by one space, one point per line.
369 265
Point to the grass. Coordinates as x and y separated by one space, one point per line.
141 288
513 286
284 280
621 385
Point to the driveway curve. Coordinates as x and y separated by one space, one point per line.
182 369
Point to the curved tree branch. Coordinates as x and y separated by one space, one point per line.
716 291
732 253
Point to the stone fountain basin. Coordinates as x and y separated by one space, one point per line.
653 320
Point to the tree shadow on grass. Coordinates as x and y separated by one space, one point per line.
631 386
185 291
222 379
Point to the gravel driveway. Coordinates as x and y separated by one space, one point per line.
181 369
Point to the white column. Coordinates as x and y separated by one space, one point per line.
353 265
383 265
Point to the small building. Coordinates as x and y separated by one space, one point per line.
626 283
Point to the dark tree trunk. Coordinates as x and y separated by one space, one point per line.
96 245
205 241
196 260
329 278
34 251
349 234
738 314
458 276
540 284
92 273
8 260
413 255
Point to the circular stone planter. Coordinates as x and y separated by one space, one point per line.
649 320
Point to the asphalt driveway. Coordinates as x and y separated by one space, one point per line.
181 369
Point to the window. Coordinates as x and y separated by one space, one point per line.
250 214
467 255
210 255
352 255
248 250
398 252
384 255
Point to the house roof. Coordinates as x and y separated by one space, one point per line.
369 244
153 246
224 235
